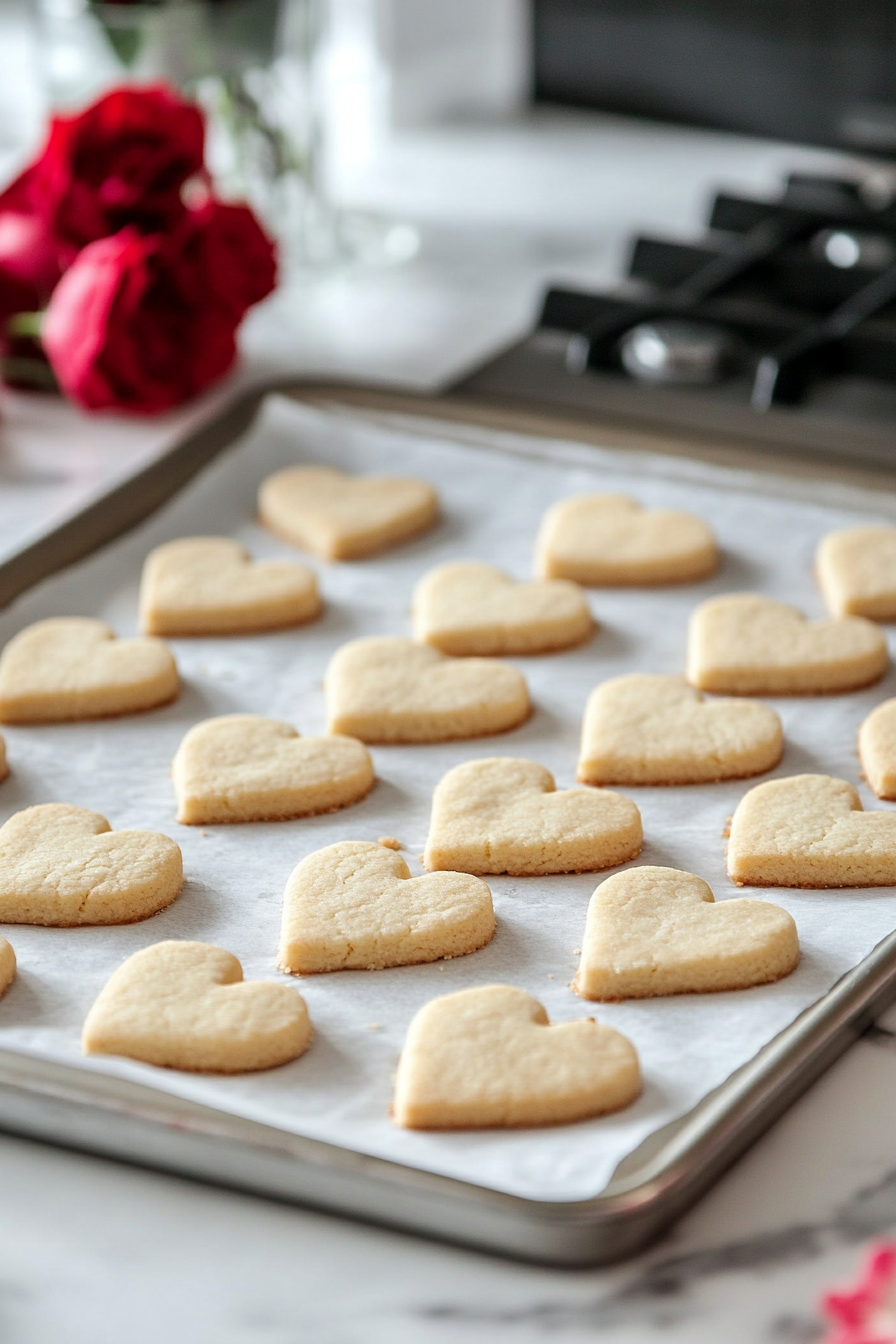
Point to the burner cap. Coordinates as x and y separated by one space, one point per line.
846 248
676 352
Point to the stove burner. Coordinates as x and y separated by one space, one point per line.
676 353
803 288
778 325
846 249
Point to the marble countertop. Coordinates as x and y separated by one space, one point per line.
94 1252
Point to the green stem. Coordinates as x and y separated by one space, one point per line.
25 324
19 371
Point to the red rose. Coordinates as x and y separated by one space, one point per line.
121 161
30 263
143 323
30 259
222 256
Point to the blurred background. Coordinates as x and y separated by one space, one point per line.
429 168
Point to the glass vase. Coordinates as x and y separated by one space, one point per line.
257 68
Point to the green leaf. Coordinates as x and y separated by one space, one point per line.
25 324
125 42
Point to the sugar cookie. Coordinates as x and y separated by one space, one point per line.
613 541
211 586
355 906
242 767
64 865
467 608
643 729
653 931
4 763
74 668
810 831
856 572
183 1005
343 517
749 645
393 690
503 815
489 1058
877 749
7 966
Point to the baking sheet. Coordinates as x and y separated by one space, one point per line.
493 497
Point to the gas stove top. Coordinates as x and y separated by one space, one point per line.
778 327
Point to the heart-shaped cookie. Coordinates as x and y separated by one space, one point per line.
612 541
7 966
466 609
62 865
857 572
184 1005
877 749
810 831
392 690
242 767
653 931
750 645
211 586
343 517
643 729
74 668
503 815
355 907
489 1058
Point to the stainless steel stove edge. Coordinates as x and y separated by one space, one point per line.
533 372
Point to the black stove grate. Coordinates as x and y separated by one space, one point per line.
778 326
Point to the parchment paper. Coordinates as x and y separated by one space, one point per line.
340 1090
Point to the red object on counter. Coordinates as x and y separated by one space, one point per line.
123 160
143 291
867 1313
143 323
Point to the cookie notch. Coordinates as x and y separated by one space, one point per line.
70 668
643 729
653 931
502 814
201 586
469 609
810 831
63 866
185 1005
354 906
856 571
386 689
488 1058
342 517
877 749
246 768
612 541
745 644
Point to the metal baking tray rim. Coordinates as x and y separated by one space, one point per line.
118 1118
96 1112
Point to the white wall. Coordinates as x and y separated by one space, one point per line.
423 60
463 56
